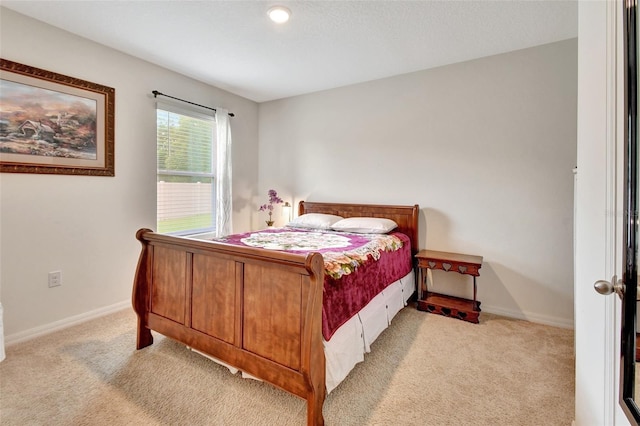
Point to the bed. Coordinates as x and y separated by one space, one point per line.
254 309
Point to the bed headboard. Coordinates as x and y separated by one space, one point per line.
405 216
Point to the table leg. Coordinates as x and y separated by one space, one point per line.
475 290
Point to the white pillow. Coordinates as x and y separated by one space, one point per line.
314 221
365 225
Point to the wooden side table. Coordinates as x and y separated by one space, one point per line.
455 307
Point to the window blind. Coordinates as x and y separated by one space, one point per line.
185 172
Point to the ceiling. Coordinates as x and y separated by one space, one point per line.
326 44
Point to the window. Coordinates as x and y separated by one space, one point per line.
185 172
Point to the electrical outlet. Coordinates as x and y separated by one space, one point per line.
55 279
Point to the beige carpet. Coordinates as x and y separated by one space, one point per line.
424 370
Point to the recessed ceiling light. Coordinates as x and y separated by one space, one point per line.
279 14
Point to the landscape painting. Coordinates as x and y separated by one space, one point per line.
50 123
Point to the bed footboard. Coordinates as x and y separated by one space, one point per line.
257 310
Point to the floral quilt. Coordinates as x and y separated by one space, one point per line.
343 252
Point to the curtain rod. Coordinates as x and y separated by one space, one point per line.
156 93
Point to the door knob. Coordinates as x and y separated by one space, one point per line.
608 287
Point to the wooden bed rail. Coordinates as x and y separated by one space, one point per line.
257 310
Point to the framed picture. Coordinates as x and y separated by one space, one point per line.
51 123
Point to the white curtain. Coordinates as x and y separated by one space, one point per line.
223 174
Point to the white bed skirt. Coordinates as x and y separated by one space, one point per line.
354 338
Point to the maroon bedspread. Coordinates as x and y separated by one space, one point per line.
345 296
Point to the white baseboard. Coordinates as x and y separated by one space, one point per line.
77 319
528 316
32 333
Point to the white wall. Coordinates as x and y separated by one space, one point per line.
485 147
85 226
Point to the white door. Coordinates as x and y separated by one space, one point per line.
598 214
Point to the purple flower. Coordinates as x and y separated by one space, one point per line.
273 199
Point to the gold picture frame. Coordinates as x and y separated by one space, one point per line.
54 124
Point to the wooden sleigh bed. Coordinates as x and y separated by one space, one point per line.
254 309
